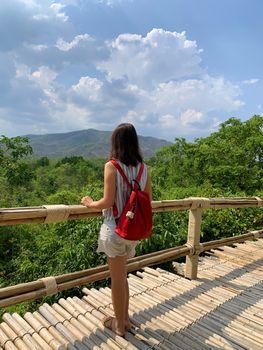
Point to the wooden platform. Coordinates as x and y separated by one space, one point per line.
223 309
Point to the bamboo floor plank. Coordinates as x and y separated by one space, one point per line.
222 309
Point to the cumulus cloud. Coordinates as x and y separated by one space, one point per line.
203 94
88 89
44 76
24 107
55 78
160 56
23 21
185 107
81 50
105 102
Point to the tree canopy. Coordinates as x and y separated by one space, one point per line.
12 151
230 158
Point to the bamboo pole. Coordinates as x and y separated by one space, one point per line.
28 329
53 331
193 240
193 302
10 335
20 331
86 321
16 294
87 335
95 317
36 215
43 332
232 240
6 341
35 289
60 327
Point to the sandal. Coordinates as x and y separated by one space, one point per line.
109 322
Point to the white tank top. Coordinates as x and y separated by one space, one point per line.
122 189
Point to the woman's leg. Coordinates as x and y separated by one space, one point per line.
127 295
119 292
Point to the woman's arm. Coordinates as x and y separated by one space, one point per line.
109 190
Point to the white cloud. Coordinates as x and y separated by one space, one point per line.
37 47
167 121
71 2
54 11
44 76
22 71
205 94
190 116
250 81
31 23
89 89
113 2
29 3
160 56
156 81
185 107
66 46
82 50
71 117
57 8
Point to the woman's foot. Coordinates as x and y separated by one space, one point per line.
128 325
110 323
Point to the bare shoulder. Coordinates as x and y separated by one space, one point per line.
109 166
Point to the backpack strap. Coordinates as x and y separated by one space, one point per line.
118 167
137 180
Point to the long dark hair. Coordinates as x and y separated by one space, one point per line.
125 145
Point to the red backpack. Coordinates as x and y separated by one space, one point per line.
135 221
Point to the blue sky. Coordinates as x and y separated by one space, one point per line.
174 68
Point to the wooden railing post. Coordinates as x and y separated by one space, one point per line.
193 241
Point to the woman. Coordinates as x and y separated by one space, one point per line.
125 150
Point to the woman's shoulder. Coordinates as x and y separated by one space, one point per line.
124 166
109 166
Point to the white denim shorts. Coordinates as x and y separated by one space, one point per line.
112 244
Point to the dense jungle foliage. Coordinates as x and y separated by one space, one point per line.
227 163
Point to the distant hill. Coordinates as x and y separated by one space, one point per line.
89 143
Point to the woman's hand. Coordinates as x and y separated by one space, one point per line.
86 201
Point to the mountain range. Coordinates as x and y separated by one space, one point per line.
88 143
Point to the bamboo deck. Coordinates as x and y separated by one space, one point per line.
222 309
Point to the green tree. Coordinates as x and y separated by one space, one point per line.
12 151
42 162
231 158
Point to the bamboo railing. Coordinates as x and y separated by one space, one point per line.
55 213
